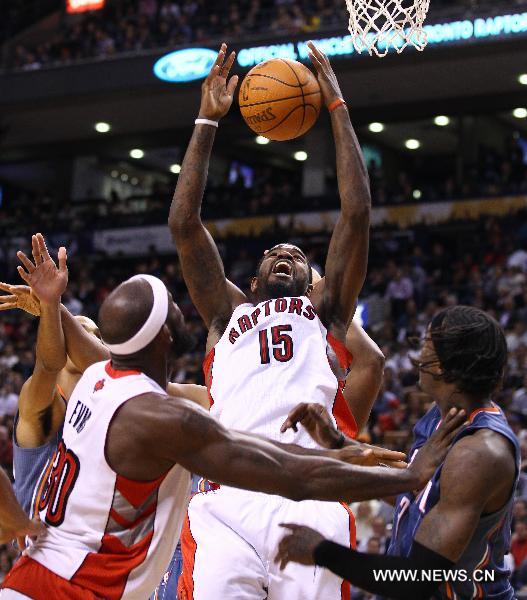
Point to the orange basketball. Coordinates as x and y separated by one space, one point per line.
280 99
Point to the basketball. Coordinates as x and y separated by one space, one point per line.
280 99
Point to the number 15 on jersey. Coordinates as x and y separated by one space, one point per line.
276 343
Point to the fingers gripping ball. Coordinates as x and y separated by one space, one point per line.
280 99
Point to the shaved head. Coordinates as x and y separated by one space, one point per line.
125 311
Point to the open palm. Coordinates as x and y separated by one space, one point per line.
46 280
216 92
21 297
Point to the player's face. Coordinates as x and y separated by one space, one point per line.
429 366
182 340
284 271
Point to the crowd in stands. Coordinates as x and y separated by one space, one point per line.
267 191
130 26
482 263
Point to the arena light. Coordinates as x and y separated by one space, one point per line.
176 169
417 194
412 144
376 127
136 153
522 78
520 113
114 174
124 177
300 155
79 6
102 127
442 121
261 140
134 181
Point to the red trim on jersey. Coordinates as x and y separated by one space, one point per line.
343 415
185 588
42 484
32 579
345 589
344 356
61 393
207 372
136 492
118 373
489 409
341 411
131 524
106 572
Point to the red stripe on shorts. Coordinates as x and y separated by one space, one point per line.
185 589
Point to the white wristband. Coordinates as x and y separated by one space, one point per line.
206 122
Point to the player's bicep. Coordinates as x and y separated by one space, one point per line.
466 486
204 276
447 529
37 393
346 266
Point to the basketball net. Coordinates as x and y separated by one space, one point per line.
379 25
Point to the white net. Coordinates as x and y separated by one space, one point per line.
379 25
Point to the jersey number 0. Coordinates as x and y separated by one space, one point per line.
61 479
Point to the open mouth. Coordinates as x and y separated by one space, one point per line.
283 267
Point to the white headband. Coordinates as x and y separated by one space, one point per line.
152 326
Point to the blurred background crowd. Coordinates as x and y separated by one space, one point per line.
130 26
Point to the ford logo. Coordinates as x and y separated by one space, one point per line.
185 65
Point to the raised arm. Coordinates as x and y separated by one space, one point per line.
365 377
347 257
150 434
38 394
83 348
200 260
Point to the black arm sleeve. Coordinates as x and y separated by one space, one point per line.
362 570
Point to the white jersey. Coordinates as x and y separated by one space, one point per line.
271 357
106 533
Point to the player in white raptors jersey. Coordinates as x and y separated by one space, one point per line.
118 488
266 353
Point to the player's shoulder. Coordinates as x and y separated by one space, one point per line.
478 461
486 444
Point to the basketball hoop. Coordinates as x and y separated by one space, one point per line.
379 25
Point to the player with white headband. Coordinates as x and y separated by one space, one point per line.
118 491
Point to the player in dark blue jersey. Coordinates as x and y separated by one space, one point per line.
460 522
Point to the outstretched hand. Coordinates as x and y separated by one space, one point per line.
434 451
21 297
31 530
298 545
366 455
46 280
327 79
316 420
216 92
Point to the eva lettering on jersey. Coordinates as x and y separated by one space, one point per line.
79 417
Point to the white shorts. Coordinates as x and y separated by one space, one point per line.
230 541
7 594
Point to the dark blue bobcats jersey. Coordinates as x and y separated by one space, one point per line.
491 540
